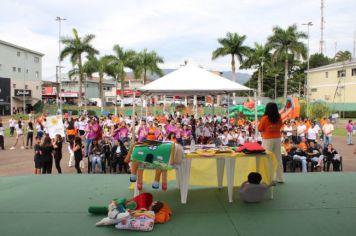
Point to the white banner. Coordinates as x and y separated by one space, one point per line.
55 126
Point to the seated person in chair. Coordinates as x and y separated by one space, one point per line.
331 156
300 154
285 151
314 154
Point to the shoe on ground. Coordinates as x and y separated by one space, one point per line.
22 147
12 148
155 185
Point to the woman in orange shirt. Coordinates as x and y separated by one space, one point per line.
270 126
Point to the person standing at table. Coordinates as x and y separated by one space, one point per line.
270 126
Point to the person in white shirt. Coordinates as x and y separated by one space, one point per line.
81 126
242 138
288 129
206 134
312 133
301 129
224 138
12 123
328 129
19 135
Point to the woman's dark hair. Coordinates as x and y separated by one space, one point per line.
47 142
272 112
30 125
0 124
20 124
78 141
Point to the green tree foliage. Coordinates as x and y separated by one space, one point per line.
343 56
318 59
147 62
75 47
286 43
232 44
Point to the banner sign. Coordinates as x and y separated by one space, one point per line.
4 90
21 92
55 126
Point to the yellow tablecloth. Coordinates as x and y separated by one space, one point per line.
203 170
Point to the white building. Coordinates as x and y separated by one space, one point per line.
20 77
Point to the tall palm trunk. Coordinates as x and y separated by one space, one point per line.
81 79
144 77
233 76
122 82
285 77
233 68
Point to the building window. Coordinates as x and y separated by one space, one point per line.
353 71
14 69
37 74
18 54
314 90
326 74
341 73
26 86
0 66
26 70
19 69
36 59
14 86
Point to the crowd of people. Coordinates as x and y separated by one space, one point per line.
103 142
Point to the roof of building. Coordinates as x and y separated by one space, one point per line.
90 79
335 65
21 48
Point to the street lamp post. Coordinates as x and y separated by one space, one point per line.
307 84
59 98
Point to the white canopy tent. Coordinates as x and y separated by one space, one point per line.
191 80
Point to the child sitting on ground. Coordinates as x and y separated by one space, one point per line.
252 190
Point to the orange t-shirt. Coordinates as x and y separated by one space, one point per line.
302 146
268 129
151 134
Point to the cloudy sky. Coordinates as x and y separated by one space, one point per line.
177 30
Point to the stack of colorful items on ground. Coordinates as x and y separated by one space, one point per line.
139 213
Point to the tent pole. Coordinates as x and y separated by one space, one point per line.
195 105
256 118
146 104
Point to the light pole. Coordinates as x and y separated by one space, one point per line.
307 93
59 98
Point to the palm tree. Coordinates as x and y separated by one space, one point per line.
342 56
232 44
257 58
117 64
99 65
75 47
147 62
287 42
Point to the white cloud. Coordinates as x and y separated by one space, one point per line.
177 30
